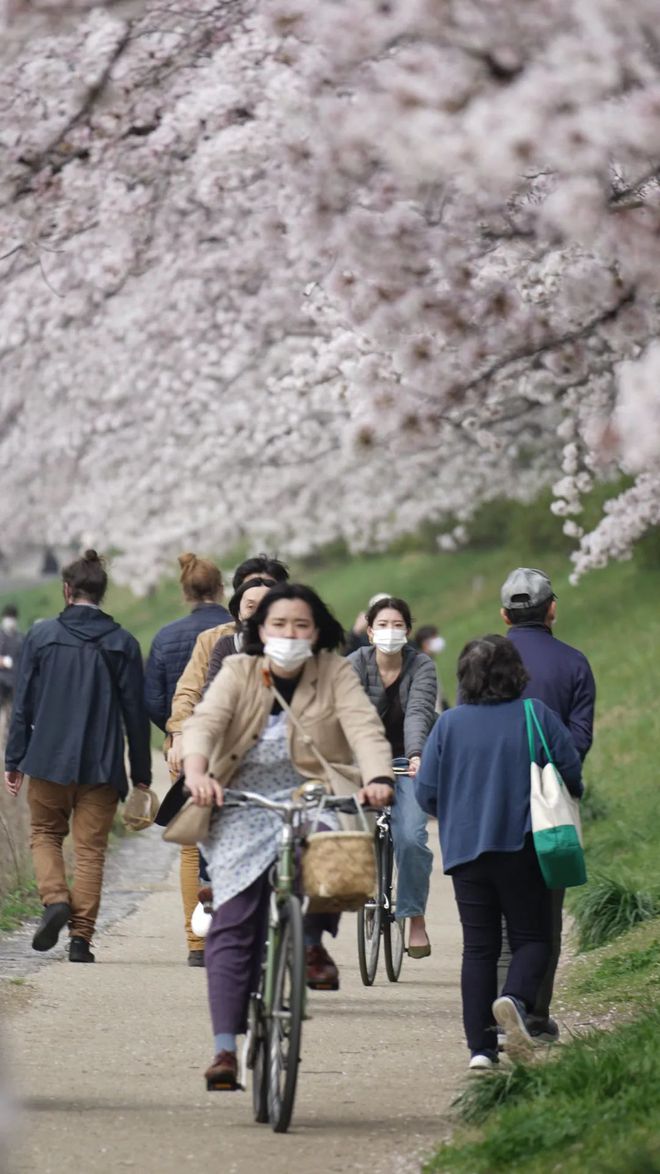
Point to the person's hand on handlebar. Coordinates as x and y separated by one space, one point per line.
204 790
376 794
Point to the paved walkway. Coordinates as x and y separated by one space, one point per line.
107 1060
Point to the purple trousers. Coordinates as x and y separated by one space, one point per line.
234 952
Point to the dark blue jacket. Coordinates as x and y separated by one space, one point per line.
170 653
70 701
560 676
475 776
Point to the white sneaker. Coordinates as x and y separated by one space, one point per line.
481 1063
510 1015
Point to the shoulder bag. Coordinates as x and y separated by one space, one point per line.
555 816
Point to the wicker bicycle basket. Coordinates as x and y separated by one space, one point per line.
339 871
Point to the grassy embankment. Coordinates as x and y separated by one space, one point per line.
597 1107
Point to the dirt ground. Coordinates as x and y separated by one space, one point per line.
106 1061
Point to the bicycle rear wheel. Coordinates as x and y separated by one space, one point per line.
370 923
393 930
285 1024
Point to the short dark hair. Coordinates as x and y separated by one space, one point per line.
331 633
426 632
399 605
490 669
260 564
529 615
234 604
10 609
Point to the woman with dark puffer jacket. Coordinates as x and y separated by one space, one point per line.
403 685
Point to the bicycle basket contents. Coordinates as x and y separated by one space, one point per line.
339 868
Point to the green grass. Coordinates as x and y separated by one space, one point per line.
18 905
609 906
577 1113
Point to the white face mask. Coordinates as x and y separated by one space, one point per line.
390 639
288 653
9 624
435 645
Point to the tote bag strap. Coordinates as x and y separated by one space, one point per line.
531 718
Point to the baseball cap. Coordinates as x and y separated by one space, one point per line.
526 587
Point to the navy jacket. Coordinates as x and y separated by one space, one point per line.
170 653
71 699
475 776
560 676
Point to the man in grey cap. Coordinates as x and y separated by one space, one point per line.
562 678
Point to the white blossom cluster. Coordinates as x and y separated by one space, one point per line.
299 271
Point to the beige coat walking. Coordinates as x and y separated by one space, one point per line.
329 702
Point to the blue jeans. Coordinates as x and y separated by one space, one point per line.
414 858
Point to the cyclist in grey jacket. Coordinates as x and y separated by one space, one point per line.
402 684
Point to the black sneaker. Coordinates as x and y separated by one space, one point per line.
79 951
196 958
53 920
546 1031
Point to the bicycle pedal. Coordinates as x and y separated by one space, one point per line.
323 986
224 1086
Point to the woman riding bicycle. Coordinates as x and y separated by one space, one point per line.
403 685
239 735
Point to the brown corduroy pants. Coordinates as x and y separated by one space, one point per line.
189 880
90 811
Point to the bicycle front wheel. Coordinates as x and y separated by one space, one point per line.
285 1024
393 929
370 923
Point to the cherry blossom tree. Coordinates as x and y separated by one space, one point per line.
299 271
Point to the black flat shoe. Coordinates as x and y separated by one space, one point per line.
53 920
79 951
196 958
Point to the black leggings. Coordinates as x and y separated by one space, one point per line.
494 884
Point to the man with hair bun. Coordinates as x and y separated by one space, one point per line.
202 586
79 690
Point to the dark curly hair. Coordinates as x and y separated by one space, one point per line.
489 670
331 633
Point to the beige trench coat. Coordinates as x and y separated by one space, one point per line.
329 702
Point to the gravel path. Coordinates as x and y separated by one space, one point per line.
107 1060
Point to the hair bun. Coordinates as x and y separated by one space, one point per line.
90 556
186 561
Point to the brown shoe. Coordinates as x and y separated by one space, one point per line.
322 974
222 1075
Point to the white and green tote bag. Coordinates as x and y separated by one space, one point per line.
555 817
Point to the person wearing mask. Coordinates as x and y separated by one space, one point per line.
240 736
80 685
202 587
403 686
11 642
428 640
243 603
357 637
561 677
475 778
190 686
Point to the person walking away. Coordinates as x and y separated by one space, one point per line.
201 583
560 676
240 735
428 640
243 604
11 642
79 687
403 686
475 778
